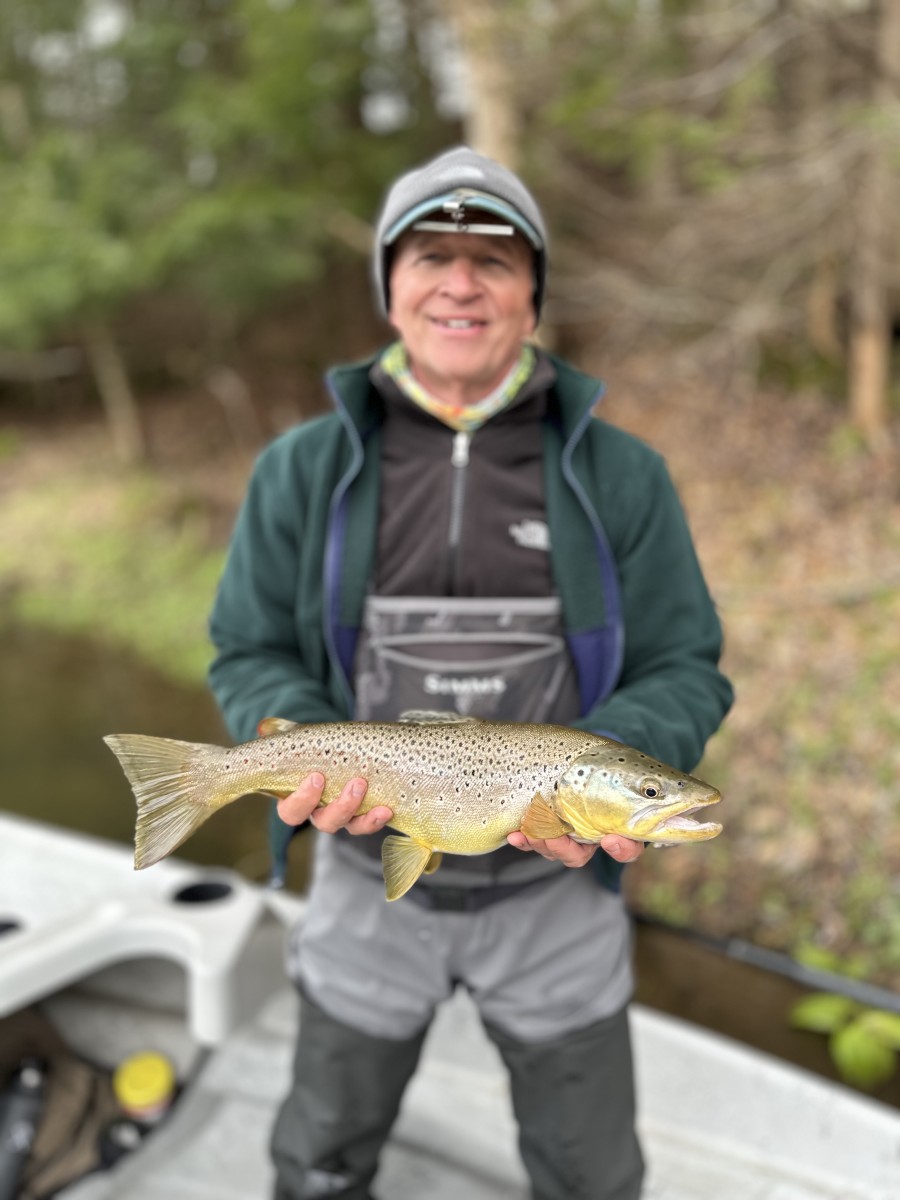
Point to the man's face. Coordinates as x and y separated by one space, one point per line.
462 305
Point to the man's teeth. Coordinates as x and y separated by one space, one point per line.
459 324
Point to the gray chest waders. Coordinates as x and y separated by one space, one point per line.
496 658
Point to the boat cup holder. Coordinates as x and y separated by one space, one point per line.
9 925
204 891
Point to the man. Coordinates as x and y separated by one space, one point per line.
464 534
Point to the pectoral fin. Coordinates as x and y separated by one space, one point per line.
270 726
540 820
403 861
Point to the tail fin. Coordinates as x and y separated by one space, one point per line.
174 789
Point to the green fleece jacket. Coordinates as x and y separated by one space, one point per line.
641 626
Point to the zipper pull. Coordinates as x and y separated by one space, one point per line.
460 454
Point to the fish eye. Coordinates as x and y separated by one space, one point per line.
651 788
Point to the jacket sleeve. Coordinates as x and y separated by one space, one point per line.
671 696
260 668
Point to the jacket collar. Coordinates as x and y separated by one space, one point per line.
574 392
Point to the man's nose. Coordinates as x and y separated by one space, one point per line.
461 281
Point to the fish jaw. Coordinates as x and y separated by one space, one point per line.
617 789
668 824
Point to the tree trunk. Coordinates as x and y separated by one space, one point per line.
870 335
114 387
805 74
492 124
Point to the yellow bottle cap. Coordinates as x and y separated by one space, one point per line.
144 1081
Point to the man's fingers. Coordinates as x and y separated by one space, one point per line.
370 822
622 849
569 852
562 849
299 805
337 814
574 854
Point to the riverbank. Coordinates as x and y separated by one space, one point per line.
800 539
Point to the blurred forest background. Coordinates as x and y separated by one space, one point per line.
187 189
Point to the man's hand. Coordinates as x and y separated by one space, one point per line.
574 854
303 805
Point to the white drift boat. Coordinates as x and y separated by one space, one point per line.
188 962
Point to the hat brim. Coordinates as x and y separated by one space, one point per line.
476 200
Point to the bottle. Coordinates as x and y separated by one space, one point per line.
144 1085
21 1104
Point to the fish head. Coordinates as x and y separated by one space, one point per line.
617 789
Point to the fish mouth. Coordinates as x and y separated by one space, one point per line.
685 824
677 820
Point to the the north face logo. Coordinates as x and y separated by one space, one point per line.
533 535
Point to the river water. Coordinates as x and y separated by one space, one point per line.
60 695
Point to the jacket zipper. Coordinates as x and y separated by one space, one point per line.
459 461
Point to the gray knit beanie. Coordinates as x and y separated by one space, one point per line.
454 182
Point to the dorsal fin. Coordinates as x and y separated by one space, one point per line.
422 717
270 726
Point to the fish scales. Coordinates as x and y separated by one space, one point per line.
462 787
454 784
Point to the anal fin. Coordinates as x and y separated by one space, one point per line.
433 863
403 861
541 821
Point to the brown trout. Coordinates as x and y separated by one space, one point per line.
454 783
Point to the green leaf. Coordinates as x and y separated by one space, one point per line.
861 1058
823 1012
885 1026
818 958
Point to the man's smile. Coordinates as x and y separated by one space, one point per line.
457 323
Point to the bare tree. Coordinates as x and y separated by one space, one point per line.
493 120
876 222
114 387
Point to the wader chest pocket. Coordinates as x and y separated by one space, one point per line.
503 659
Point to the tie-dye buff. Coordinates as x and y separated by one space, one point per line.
461 417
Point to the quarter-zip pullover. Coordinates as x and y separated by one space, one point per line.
453 505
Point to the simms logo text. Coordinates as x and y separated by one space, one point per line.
471 685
